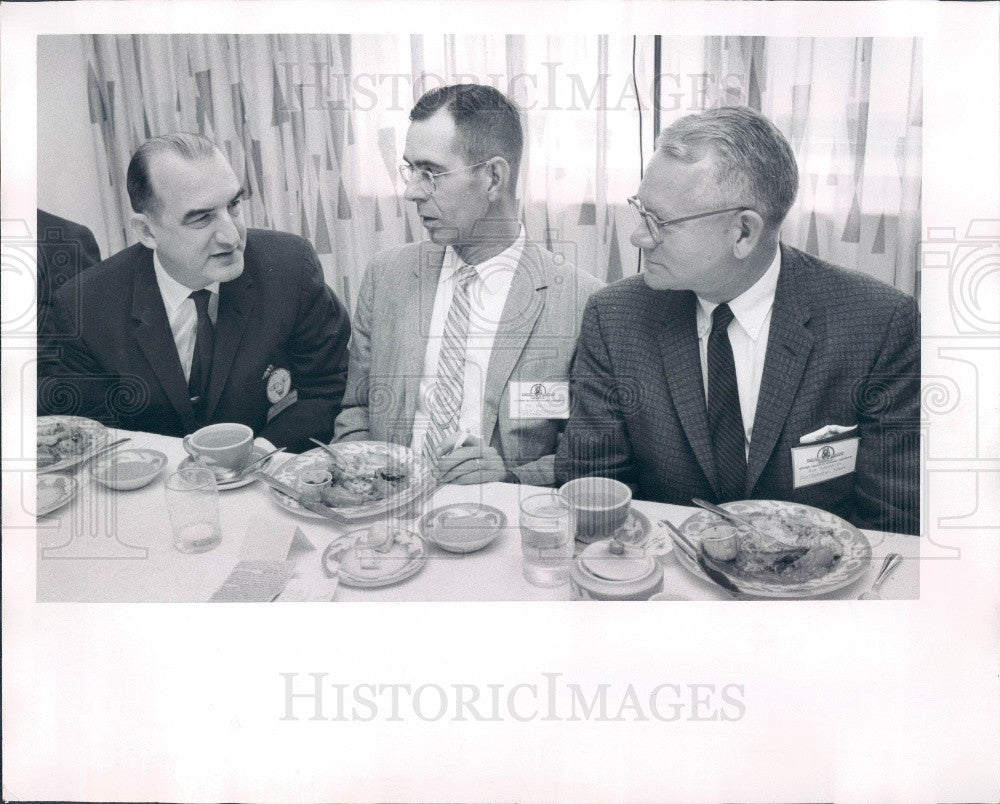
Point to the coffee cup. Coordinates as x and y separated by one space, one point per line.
601 506
226 446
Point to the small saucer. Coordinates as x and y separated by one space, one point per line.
53 492
227 485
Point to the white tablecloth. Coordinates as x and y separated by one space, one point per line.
117 547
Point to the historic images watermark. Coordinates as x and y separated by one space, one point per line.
548 697
320 86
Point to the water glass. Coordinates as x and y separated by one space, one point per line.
548 527
193 507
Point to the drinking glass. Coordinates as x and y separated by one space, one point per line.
548 526
193 506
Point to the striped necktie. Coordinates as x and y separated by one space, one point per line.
444 404
725 420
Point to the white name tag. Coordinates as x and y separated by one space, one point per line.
815 463
539 400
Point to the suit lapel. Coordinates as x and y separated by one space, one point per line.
682 368
152 333
524 304
788 345
425 274
236 304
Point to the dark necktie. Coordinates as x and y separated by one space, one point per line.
725 420
204 344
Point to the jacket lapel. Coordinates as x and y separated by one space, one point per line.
524 304
426 272
152 333
788 346
236 304
682 368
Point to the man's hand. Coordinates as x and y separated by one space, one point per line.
475 464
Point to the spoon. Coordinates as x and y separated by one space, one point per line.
892 561
231 475
108 448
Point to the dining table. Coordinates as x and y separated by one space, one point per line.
117 546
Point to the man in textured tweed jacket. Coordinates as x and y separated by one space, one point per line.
826 360
462 154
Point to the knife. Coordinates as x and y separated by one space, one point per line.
309 505
715 575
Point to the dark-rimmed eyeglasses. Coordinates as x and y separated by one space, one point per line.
655 225
429 178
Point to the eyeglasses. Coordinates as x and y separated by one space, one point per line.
654 225
426 177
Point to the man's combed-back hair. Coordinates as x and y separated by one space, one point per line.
488 124
755 165
137 180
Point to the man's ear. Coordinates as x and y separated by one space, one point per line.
498 170
140 225
747 231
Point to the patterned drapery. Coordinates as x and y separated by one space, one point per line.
315 125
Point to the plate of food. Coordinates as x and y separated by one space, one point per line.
369 478
379 555
53 492
792 550
66 441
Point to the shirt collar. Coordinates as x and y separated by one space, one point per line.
506 261
173 292
751 307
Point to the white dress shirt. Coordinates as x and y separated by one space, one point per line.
748 333
182 315
487 297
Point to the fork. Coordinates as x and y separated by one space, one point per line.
338 461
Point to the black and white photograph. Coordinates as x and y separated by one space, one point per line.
553 320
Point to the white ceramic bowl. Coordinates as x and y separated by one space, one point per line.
128 469
463 527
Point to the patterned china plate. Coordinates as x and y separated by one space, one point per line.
53 492
419 480
406 557
848 568
637 530
95 433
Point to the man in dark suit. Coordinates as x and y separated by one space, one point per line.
64 249
202 321
737 367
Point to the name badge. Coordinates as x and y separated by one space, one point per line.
815 463
286 401
539 400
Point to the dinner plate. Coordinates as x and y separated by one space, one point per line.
420 479
95 432
405 558
851 565
53 492
226 485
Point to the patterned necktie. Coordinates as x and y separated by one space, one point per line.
445 401
725 420
204 345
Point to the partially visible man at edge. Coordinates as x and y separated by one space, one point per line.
202 320
462 345
745 368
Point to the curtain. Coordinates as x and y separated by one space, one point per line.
315 126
